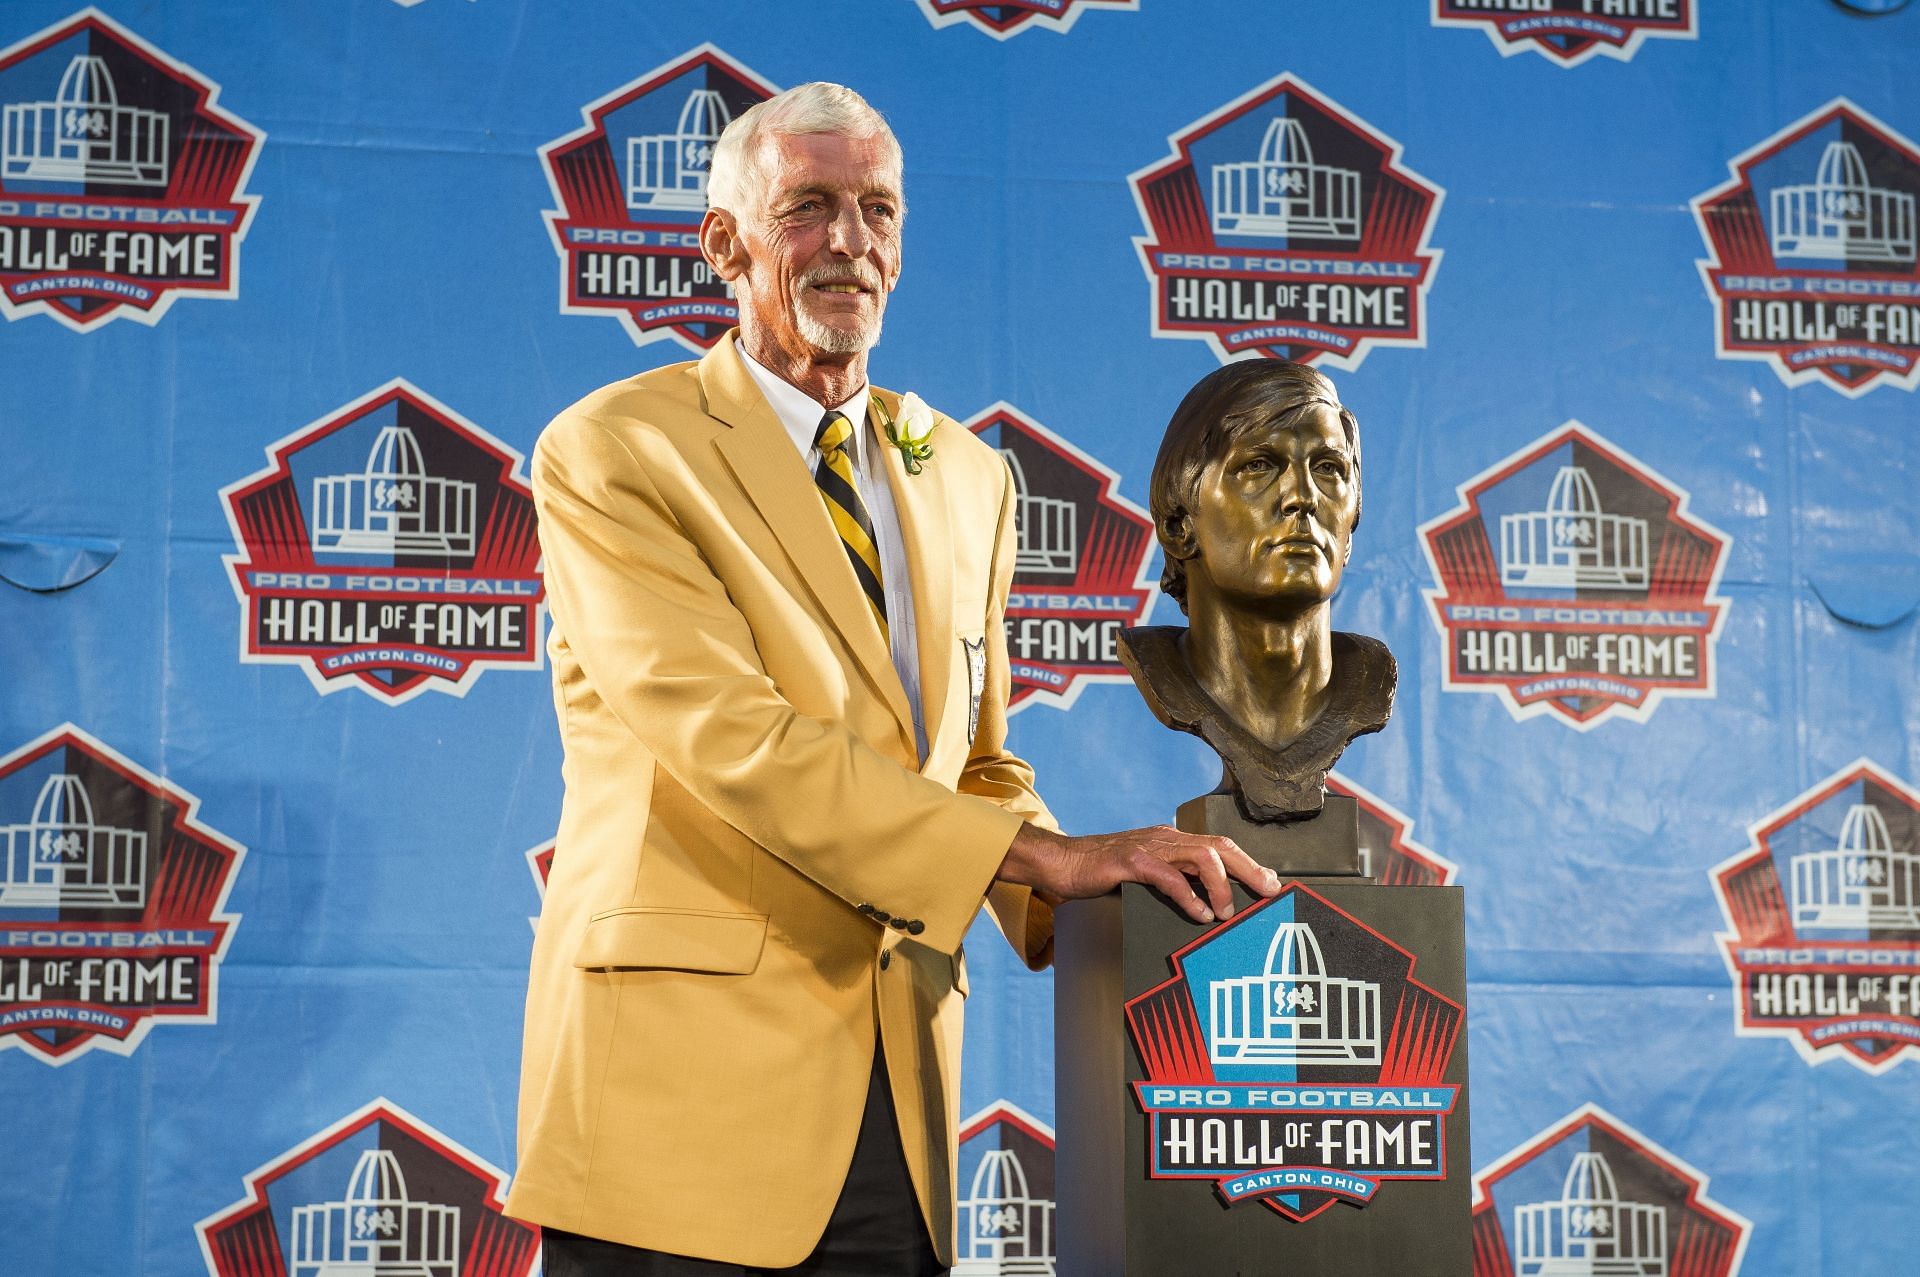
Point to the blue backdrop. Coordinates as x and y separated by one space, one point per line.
1624 300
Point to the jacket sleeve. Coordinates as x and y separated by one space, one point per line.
657 636
994 773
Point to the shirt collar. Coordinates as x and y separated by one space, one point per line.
799 414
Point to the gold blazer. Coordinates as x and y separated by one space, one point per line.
754 874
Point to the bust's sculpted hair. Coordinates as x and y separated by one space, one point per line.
1229 402
735 180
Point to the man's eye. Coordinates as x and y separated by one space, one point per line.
880 210
1333 466
1255 466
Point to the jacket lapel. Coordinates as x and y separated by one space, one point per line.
774 476
926 529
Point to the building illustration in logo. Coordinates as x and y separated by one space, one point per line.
1569 32
1004 1227
1573 579
112 897
1862 883
669 170
1588 1231
377 1194
1293 1012
1284 225
1283 193
1824 906
388 546
121 182
1080 562
376 1230
1841 214
62 857
1048 527
630 187
1573 544
1389 853
1592 1197
393 505
1258 1008
1814 263
1004 19
84 134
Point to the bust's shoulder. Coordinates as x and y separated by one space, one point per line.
1365 677
1362 651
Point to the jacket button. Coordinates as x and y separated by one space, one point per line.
882 917
898 924
886 959
864 908
915 927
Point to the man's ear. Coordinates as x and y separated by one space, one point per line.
1176 536
720 244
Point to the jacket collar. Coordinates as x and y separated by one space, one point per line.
774 476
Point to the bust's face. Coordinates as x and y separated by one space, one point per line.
1273 517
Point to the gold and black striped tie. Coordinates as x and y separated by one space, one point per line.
834 474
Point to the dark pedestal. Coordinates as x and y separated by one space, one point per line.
1325 845
1375 1055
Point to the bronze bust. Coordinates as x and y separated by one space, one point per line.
1255 495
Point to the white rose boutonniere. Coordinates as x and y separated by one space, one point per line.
911 431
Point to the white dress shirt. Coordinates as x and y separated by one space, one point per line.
800 415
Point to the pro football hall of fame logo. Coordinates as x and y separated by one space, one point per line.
120 179
1004 1227
1285 225
1825 909
1572 579
540 865
1814 266
631 186
379 1192
1294 1060
111 899
388 546
1568 32
1591 1195
1080 568
1003 19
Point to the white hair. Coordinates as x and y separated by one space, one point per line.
735 179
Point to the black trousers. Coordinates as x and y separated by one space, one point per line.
876 1229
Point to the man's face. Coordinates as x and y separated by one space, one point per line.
1272 518
823 248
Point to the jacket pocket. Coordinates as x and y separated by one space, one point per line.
672 939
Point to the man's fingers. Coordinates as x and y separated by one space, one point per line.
1202 861
1171 883
1259 879
1214 861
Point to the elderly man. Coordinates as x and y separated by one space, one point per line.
781 679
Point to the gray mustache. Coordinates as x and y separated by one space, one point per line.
868 279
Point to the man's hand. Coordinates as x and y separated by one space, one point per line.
1062 868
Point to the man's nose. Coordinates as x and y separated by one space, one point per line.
847 235
1297 493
